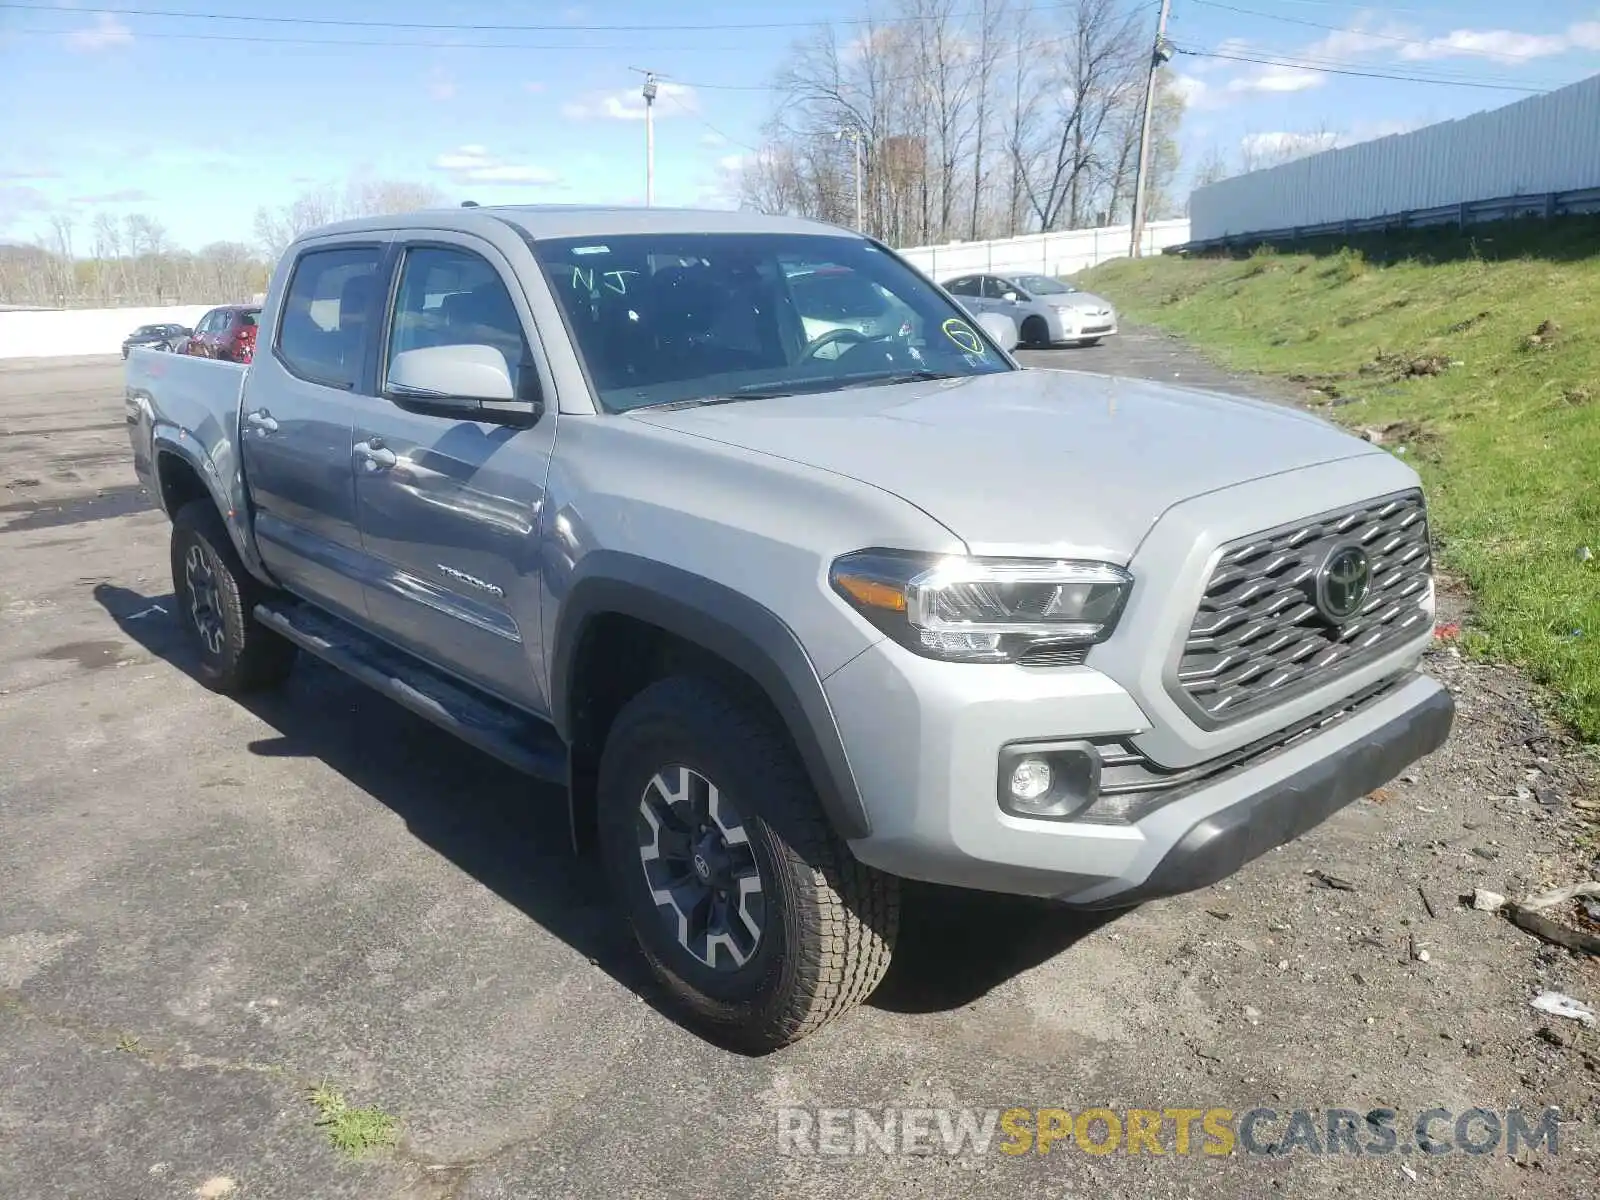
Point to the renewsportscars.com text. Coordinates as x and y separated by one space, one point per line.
1213 1132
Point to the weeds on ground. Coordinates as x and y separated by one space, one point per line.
353 1131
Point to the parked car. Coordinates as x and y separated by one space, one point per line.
155 337
1047 311
582 487
228 333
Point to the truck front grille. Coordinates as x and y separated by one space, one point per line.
1259 637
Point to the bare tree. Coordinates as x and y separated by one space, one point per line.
975 123
991 19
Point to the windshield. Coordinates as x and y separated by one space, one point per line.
673 318
1043 285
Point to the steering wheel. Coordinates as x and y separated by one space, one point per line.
853 336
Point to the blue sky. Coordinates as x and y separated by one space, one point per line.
198 120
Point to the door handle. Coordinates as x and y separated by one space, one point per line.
263 420
374 455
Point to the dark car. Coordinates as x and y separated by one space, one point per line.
155 337
228 333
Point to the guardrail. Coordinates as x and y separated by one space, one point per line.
1545 205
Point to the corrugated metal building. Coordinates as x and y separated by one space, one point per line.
1545 144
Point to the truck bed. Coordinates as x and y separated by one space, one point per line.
176 397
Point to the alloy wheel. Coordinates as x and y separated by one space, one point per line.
700 868
204 609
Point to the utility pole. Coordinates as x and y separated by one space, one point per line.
1160 53
650 138
855 134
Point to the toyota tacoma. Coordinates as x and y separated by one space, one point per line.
743 532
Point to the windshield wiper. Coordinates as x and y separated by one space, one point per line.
693 402
834 383
798 387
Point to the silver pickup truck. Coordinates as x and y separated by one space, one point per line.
749 536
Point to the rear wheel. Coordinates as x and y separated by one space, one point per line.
752 913
216 600
1035 332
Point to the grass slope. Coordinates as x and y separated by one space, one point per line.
1480 354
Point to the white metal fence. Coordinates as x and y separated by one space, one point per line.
61 333
1062 253
1545 145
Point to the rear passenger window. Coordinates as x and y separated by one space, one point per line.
322 336
451 298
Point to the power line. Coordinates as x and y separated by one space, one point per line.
1303 66
694 116
1386 37
503 28
332 43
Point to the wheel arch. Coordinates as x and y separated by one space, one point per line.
183 474
720 629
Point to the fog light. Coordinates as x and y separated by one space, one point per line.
1030 780
1048 780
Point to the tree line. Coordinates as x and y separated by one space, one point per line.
974 119
131 261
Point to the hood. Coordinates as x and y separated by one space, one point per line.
1082 301
1031 462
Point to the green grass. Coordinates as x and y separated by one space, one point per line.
1480 355
351 1130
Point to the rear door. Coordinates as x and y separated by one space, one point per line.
299 416
968 291
449 508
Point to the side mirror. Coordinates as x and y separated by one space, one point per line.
1011 296
470 382
1001 328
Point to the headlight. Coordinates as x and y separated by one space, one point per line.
982 609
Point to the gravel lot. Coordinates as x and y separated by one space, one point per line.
210 907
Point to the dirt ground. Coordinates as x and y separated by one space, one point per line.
210 907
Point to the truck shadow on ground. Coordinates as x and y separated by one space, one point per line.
510 833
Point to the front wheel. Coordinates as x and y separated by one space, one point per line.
216 599
1035 332
751 912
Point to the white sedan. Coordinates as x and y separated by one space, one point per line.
1047 311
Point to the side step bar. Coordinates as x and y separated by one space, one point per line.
516 739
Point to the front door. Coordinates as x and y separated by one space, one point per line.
450 508
298 423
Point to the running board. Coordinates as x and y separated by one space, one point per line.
516 739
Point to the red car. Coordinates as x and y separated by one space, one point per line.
227 333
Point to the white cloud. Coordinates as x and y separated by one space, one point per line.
474 164
106 33
629 106
712 138
1276 80
1195 93
1503 45
1361 38
533 87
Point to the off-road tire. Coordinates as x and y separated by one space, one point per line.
830 922
248 657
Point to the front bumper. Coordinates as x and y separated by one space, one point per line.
1069 326
923 739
